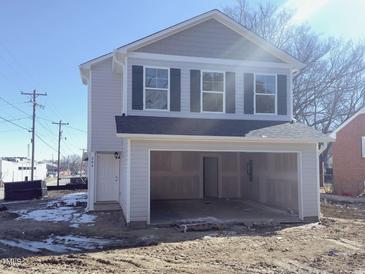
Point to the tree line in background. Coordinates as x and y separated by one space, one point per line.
331 88
72 164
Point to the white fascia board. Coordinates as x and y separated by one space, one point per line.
118 62
85 75
96 60
222 138
361 111
85 67
200 60
228 22
167 32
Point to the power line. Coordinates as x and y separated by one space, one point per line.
16 119
80 130
68 147
17 108
15 60
50 132
45 142
15 124
45 119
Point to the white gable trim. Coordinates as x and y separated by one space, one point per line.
361 111
222 18
205 60
122 52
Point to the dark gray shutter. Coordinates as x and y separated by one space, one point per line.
282 95
248 92
230 92
137 87
195 90
175 89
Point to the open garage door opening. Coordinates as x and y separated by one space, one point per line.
189 186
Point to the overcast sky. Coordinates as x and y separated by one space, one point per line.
43 42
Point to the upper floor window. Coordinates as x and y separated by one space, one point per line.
212 96
156 88
265 94
363 146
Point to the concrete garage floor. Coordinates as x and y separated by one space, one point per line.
167 212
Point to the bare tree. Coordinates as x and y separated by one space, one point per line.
331 87
71 163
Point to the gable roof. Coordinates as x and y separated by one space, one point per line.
344 124
213 14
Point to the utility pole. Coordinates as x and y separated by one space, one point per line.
33 95
60 124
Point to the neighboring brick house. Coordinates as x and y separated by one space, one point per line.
349 156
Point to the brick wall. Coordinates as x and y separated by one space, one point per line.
348 163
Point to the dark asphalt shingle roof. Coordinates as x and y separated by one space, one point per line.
214 127
288 131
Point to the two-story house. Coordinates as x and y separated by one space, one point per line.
198 111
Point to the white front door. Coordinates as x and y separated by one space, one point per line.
107 184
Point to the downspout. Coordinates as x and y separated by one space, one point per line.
119 58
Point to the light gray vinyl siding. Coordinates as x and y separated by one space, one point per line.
139 176
210 39
123 195
105 102
185 89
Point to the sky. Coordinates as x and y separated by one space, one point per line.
42 43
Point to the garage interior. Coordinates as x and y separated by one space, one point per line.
188 186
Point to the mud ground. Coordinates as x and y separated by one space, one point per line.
335 245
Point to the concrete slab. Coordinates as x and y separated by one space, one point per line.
167 212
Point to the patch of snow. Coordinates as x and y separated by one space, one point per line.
83 242
69 200
35 246
311 226
61 210
201 220
306 226
60 244
58 214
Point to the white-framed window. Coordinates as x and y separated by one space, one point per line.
265 93
213 91
156 88
363 146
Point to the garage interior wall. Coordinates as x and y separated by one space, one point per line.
178 175
274 181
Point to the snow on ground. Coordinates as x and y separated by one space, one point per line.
73 199
59 244
65 209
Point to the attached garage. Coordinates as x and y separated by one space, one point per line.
185 184
225 169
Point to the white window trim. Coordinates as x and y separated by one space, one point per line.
363 146
275 94
144 88
217 92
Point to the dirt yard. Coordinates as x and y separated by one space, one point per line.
100 243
